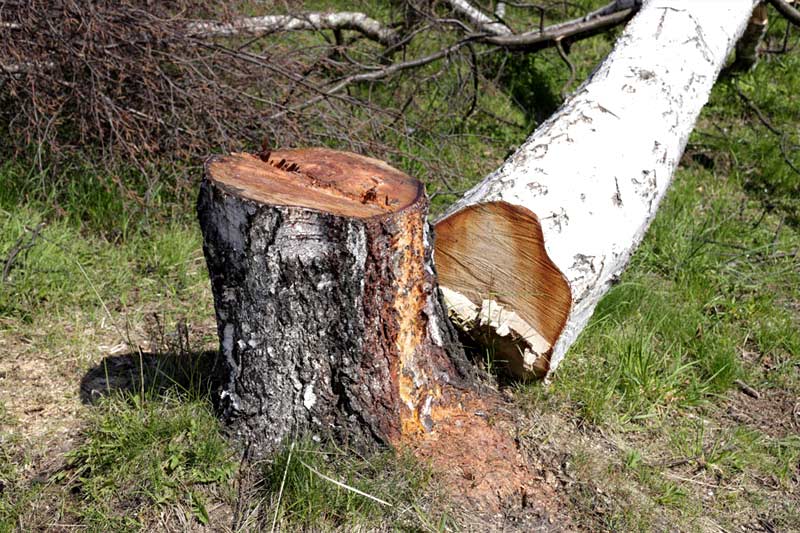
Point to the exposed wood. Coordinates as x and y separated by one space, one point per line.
500 296
328 312
586 184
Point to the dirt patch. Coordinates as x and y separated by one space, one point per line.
40 379
776 412
38 392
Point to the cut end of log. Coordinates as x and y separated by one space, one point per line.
339 183
500 284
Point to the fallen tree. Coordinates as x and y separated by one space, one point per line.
528 252
328 313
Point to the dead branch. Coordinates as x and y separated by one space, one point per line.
567 31
785 8
478 18
259 26
563 55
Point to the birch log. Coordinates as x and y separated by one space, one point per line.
529 251
328 313
258 26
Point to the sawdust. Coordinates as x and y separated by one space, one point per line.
473 449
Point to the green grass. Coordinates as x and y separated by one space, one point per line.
640 408
400 489
154 451
671 333
68 266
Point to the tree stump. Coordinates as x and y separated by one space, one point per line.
328 312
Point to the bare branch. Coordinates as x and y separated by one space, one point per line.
784 8
549 37
478 18
370 28
376 75
613 7
569 31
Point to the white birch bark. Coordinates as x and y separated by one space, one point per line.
478 18
355 21
593 176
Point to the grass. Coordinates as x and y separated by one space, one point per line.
400 489
645 427
157 451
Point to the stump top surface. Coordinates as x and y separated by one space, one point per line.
326 180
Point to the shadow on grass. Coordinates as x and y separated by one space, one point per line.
151 373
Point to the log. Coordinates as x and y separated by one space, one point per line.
529 251
259 26
329 317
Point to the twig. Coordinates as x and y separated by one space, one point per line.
19 248
767 124
344 486
761 117
563 55
747 389
378 74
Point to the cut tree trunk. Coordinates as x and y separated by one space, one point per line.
753 36
527 253
329 316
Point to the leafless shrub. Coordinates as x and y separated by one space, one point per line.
137 81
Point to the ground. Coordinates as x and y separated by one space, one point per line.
678 408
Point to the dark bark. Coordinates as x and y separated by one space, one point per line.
329 325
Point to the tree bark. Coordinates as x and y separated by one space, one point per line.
753 36
530 250
257 26
328 312
478 18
